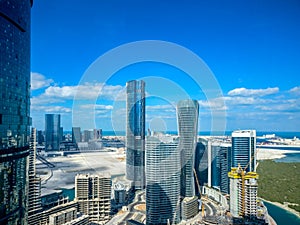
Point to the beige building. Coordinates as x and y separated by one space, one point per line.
93 194
243 193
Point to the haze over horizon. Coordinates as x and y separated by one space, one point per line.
252 48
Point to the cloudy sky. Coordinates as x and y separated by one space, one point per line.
252 49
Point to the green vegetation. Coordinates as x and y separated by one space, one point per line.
279 182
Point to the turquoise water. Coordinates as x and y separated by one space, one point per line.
290 158
204 133
281 216
69 192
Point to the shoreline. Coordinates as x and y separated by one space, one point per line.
285 207
271 154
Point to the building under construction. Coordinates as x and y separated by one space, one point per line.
243 197
93 194
243 193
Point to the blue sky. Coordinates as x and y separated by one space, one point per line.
251 47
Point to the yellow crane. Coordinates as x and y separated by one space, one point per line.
242 172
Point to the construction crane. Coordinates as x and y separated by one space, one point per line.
242 172
200 196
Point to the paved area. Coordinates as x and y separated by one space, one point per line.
66 168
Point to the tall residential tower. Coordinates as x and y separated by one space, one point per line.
135 133
244 149
14 109
34 190
162 180
187 119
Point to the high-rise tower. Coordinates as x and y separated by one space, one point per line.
135 133
187 119
225 162
34 190
162 180
244 149
14 109
76 134
52 132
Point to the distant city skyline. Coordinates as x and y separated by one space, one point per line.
251 47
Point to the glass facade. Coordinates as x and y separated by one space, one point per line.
52 132
244 149
215 165
162 180
135 133
201 163
14 109
76 134
225 166
187 119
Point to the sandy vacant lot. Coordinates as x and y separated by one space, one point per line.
66 168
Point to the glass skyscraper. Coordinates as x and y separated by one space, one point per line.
225 166
14 109
135 133
76 134
201 162
52 132
244 149
162 180
187 118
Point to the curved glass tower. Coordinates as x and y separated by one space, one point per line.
162 180
187 119
14 109
135 133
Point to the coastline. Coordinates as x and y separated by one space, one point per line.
270 154
285 207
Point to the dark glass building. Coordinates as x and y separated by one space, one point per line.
76 134
14 109
201 163
52 132
220 165
40 137
225 166
215 165
244 149
135 133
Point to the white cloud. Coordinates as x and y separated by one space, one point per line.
97 106
84 91
214 104
165 108
51 109
39 100
295 90
39 81
288 105
253 92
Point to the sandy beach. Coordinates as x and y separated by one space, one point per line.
264 154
